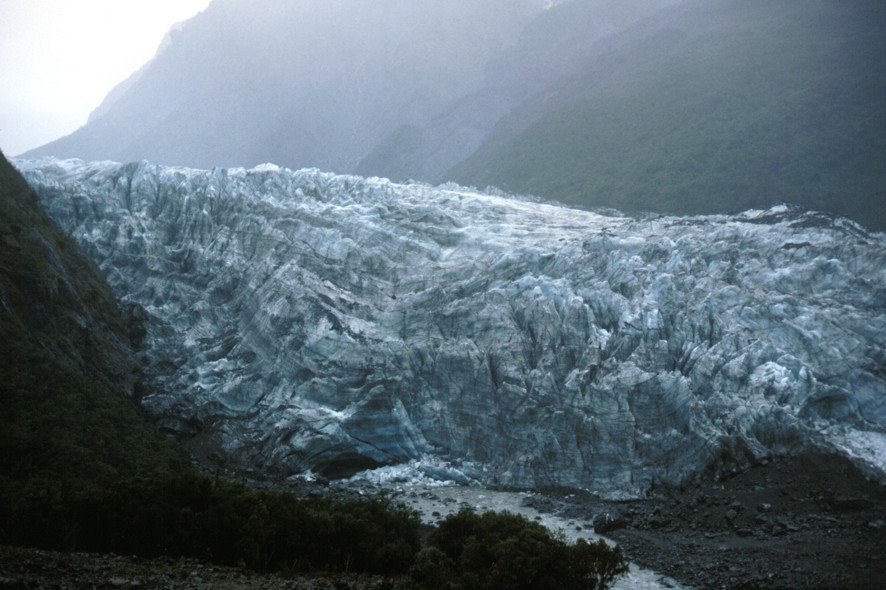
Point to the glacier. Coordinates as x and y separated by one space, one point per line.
306 322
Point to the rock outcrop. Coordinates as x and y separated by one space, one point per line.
305 321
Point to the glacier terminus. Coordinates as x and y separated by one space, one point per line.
300 321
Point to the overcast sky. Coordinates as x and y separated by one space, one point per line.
59 58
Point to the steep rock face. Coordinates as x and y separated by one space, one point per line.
302 320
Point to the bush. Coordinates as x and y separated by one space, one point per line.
501 551
594 566
433 569
220 521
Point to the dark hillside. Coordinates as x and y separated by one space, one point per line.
711 106
66 364
553 46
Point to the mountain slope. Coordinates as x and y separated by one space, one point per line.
554 45
707 107
306 321
313 83
66 364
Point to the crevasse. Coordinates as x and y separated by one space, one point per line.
299 320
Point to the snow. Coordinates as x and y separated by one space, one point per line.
863 444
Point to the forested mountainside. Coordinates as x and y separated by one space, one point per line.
67 365
711 106
685 107
554 46
69 427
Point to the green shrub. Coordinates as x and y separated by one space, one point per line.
220 521
501 551
594 566
433 569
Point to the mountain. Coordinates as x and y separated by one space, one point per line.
555 45
710 106
671 106
67 366
312 83
303 321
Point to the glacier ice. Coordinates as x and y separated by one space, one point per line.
300 320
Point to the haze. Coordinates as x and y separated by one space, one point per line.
690 107
58 59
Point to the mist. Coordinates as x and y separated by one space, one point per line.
313 83
59 59
641 105
307 84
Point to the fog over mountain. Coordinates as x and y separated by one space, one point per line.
711 106
645 105
310 83
554 46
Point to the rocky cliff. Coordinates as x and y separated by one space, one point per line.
306 321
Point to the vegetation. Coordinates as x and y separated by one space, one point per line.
81 468
553 46
500 551
711 108
222 522
65 422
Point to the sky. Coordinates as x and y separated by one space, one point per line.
59 58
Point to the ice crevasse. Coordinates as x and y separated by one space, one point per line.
300 320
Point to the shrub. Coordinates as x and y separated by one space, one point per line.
433 569
501 551
594 566
220 521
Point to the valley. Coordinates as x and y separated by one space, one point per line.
445 295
